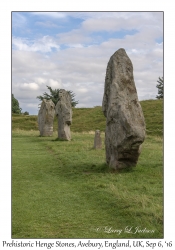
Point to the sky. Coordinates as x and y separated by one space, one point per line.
70 50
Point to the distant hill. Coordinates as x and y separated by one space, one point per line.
90 119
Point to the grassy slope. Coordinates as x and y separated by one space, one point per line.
88 119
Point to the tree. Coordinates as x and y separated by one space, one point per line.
160 88
15 106
54 96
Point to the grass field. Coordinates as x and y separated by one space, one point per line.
64 189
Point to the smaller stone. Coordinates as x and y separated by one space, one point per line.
97 140
63 111
45 117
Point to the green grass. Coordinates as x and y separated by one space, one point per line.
88 119
153 113
64 189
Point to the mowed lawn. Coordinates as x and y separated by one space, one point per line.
64 189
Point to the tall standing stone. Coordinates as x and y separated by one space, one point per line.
64 114
125 125
46 117
97 140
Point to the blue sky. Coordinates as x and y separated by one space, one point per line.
71 50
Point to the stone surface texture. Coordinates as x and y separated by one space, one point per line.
45 117
63 111
125 125
97 140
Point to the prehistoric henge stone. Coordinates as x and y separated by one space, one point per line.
46 117
125 125
97 140
63 110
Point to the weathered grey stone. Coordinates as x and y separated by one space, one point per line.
125 125
63 110
46 117
97 140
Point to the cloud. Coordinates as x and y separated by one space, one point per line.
50 14
40 80
47 24
74 36
29 86
55 84
44 44
110 24
82 90
75 45
115 21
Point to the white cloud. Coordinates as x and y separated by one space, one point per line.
76 36
40 80
47 24
28 86
75 45
44 44
55 84
51 14
115 21
82 90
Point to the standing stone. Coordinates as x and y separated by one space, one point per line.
64 114
125 125
46 117
97 140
